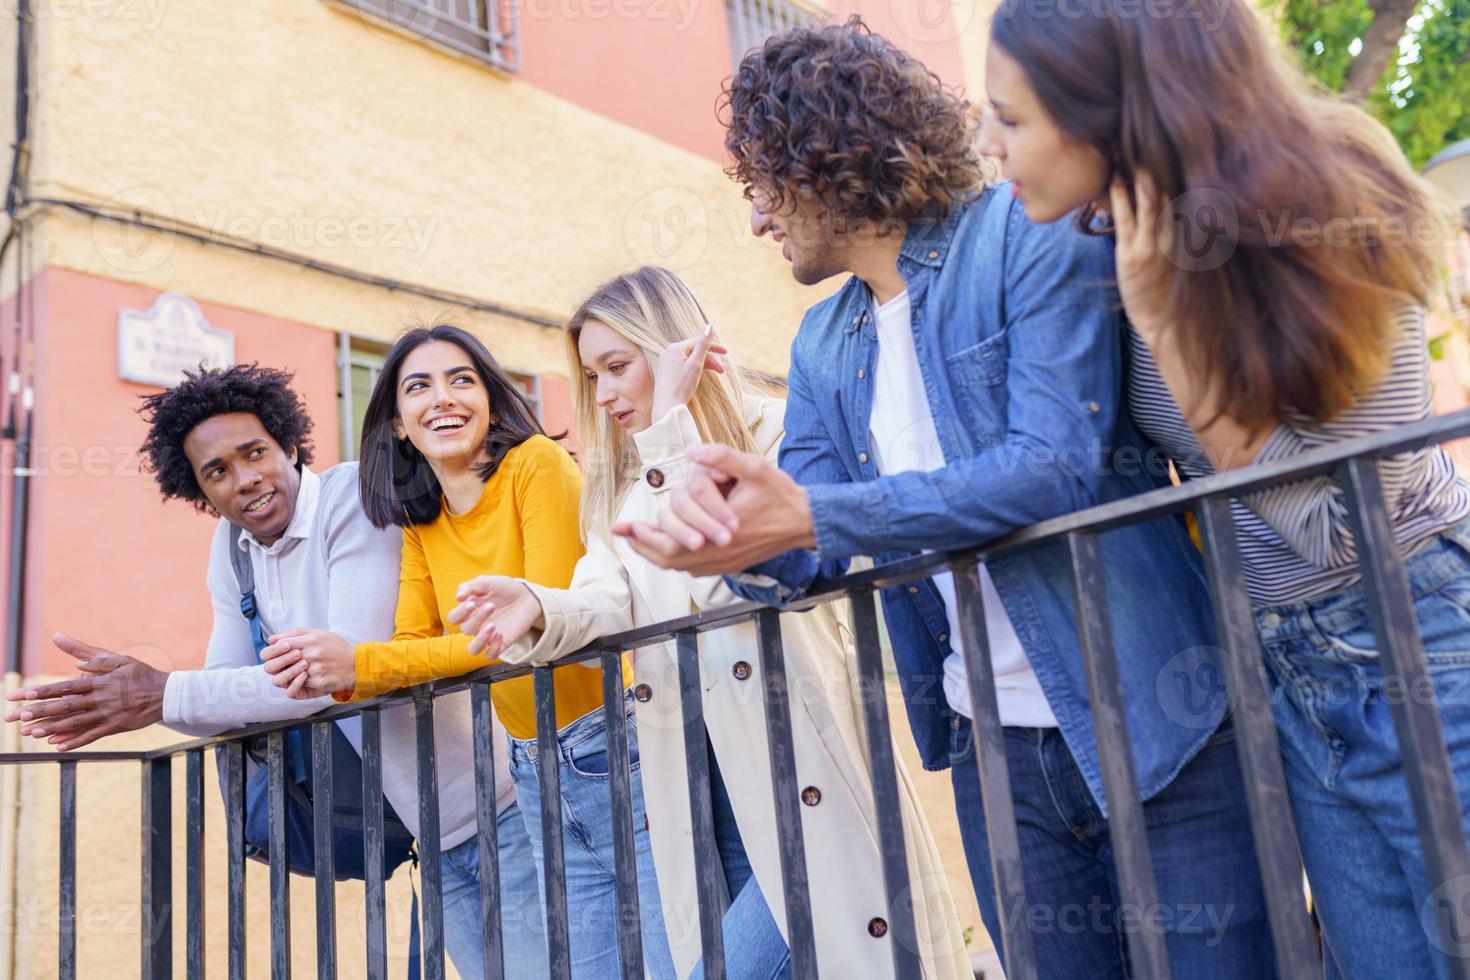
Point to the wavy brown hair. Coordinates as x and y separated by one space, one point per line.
843 115
1294 223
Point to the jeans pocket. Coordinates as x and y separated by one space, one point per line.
1224 735
961 743
1443 618
589 757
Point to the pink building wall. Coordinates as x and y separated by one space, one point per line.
580 52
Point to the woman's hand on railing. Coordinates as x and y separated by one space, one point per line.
310 663
495 611
680 367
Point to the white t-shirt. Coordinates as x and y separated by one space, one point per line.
902 438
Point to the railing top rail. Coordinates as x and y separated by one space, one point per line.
1147 506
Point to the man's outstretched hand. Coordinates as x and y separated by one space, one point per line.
114 693
736 510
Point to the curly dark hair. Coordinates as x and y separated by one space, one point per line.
172 414
843 114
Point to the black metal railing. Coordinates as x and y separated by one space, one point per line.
1429 782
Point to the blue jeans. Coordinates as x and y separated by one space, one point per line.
522 932
1211 907
586 813
754 946
1343 765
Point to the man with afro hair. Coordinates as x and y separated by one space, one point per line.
234 442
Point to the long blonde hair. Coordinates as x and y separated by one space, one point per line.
650 308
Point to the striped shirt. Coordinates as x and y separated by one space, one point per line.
1296 540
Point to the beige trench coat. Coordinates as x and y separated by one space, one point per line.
615 589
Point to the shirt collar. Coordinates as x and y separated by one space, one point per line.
927 243
928 239
302 517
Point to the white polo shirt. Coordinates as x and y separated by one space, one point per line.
331 569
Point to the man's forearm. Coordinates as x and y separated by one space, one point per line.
207 702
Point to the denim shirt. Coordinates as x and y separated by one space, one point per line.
1021 346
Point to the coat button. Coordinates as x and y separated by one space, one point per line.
862 457
913 590
862 372
934 255
643 693
943 637
878 928
741 670
655 478
811 796
1094 407
1271 621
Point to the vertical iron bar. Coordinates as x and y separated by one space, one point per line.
1255 739
789 837
423 718
553 857
374 896
707 867
487 818
194 863
1437 808
620 785
234 793
158 924
1136 885
66 914
324 866
988 734
873 692
280 885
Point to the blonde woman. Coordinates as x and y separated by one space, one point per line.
652 382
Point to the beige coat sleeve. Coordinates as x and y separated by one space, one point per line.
599 602
663 449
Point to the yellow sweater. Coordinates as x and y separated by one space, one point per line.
524 525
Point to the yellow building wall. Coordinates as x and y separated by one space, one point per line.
302 126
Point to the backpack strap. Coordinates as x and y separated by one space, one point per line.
245 576
297 751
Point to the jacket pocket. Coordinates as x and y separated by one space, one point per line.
982 364
978 379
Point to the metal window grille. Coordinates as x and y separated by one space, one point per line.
486 30
752 21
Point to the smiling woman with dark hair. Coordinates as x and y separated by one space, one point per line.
453 454
399 485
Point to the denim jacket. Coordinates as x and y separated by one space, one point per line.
1021 348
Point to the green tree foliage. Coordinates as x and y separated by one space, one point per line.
1422 92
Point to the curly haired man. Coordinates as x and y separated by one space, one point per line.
963 383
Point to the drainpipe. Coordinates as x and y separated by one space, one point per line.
10 734
14 637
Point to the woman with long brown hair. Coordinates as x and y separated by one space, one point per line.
1275 253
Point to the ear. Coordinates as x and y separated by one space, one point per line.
292 455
